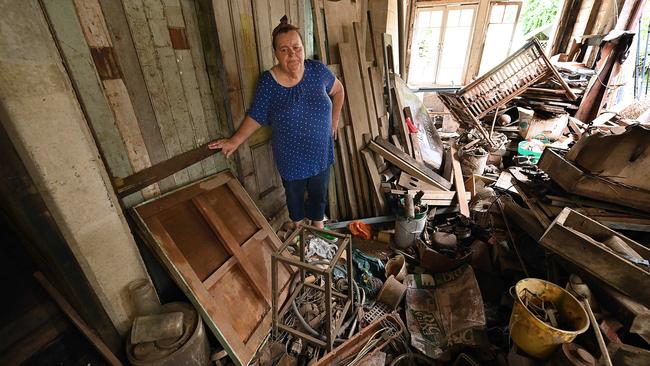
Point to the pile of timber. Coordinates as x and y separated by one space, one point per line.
375 148
550 97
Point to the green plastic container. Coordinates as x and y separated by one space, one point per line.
528 147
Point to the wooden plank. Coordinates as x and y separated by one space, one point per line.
26 347
337 15
92 22
377 85
125 52
157 172
146 53
214 128
127 124
368 101
189 82
375 180
263 28
400 121
400 159
332 199
171 78
358 173
72 314
348 176
459 183
319 31
358 116
236 32
354 93
577 238
341 190
410 182
76 55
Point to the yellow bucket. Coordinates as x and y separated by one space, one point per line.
535 337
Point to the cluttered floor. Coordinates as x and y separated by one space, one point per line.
525 263
499 230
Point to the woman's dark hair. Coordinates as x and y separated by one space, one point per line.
284 27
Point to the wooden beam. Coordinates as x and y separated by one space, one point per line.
72 314
146 177
459 182
408 164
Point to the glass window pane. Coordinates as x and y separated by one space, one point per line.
511 14
454 52
497 41
453 18
425 49
496 16
423 19
436 18
466 17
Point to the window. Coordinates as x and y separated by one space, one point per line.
500 30
440 45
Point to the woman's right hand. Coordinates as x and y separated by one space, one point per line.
227 146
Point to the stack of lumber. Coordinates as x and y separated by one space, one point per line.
373 144
550 97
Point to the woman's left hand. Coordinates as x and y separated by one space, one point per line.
335 132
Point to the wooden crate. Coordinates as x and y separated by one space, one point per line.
578 239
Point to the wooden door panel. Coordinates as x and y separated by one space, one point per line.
230 211
217 246
204 251
237 300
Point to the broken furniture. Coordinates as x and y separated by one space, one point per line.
582 241
500 85
323 269
217 246
575 180
628 163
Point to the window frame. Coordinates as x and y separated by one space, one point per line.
445 7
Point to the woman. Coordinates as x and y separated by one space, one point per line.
301 100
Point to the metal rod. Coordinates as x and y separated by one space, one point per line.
599 335
512 239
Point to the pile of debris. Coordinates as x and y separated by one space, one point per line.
520 198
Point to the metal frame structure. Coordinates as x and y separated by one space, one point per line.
344 244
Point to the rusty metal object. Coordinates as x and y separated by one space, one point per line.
306 269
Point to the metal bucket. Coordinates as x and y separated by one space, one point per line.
535 337
407 230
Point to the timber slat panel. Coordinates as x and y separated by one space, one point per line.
153 77
118 27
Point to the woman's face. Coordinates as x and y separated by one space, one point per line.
289 51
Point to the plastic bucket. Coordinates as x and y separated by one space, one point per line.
535 337
407 230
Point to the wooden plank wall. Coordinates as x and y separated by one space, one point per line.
139 70
244 30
